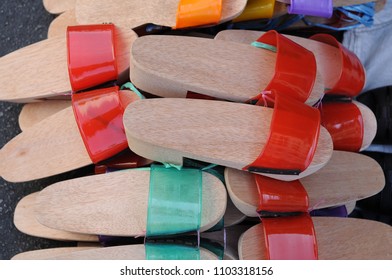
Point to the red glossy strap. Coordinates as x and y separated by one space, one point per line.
290 238
91 55
295 68
124 160
292 141
192 13
99 115
345 124
352 77
276 196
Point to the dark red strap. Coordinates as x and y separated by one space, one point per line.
290 238
91 55
99 116
124 160
352 77
292 141
295 68
276 196
344 122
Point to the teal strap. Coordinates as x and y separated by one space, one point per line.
174 203
130 86
264 46
156 251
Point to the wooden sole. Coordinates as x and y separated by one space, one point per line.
347 177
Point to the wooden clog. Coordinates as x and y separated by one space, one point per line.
50 147
49 72
347 177
116 204
223 133
59 6
337 239
209 67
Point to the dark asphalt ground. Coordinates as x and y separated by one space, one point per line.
22 22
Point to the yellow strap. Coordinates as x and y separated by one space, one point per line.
257 9
198 12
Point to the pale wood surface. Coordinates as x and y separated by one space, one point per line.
25 221
224 133
52 146
340 3
347 177
327 57
59 6
337 239
134 13
58 26
35 112
126 252
170 66
115 203
44 64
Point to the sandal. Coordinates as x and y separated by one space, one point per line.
352 125
341 69
58 6
106 204
50 74
229 134
177 66
362 177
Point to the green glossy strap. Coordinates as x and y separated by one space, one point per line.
158 251
174 203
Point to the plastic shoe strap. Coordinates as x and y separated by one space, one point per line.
174 203
162 251
131 86
193 13
290 238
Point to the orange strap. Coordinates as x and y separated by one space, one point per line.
198 12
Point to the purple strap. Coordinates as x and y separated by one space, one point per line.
318 8
339 211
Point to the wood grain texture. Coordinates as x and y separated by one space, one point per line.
126 252
131 14
369 125
52 146
35 112
337 239
44 64
346 178
58 26
59 6
170 66
115 204
224 133
25 221
327 57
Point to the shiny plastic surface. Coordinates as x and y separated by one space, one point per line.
292 141
257 9
91 55
295 68
99 115
290 238
159 251
352 78
174 203
318 8
124 160
277 196
198 12
344 122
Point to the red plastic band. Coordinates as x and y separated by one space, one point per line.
98 114
277 196
295 68
352 78
192 13
124 160
290 238
345 124
91 55
292 142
